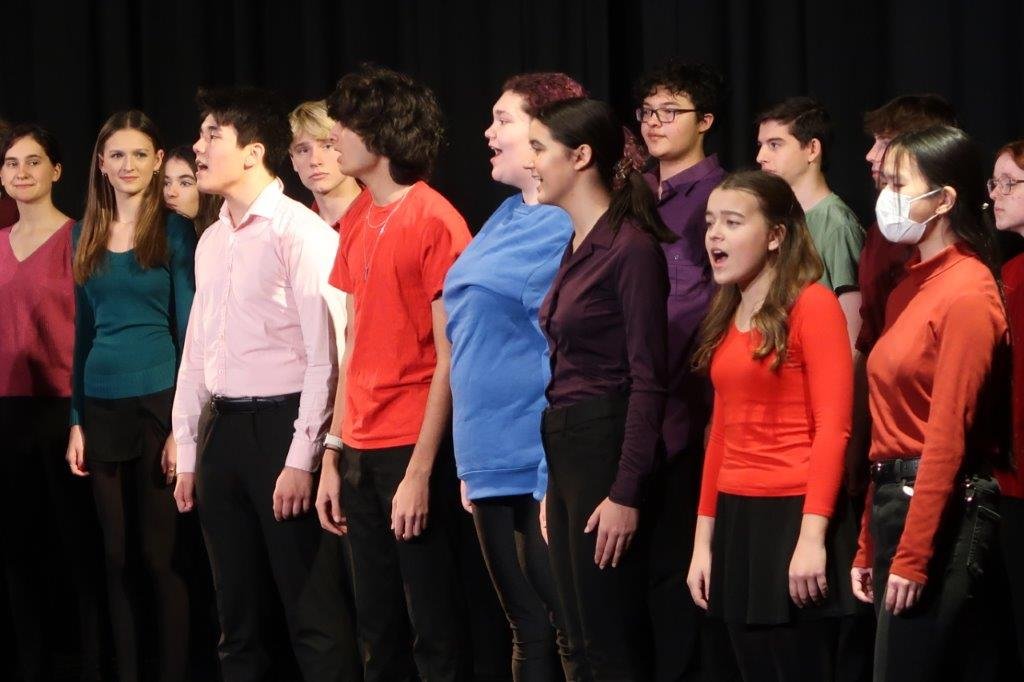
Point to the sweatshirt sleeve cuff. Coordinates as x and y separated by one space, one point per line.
304 455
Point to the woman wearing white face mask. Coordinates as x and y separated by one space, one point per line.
933 386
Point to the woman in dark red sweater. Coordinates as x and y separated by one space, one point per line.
768 552
933 396
1006 190
36 337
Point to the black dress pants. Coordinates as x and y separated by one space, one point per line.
49 533
257 560
410 608
508 529
606 613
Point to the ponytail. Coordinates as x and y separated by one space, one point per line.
632 199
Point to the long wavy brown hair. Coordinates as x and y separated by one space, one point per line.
795 264
150 247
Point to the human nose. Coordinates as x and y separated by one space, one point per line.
762 156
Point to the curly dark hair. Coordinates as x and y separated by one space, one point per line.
257 115
702 83
396 117
908 113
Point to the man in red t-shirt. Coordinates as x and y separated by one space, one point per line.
388 476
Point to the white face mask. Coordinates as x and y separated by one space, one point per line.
893 213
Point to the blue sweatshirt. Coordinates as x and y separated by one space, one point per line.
500 366
130 323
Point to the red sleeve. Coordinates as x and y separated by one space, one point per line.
967 337
340 277
712 463
865 544
828 367
442 240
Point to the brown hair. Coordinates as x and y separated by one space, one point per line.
100 210
796 264
909 113
806 119
1016 151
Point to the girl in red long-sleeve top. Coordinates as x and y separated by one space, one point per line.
933 392
769 550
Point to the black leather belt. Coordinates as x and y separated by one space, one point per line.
894 470
250 404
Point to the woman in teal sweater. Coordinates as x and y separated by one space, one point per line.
134 283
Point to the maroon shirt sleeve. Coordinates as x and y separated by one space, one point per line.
642 286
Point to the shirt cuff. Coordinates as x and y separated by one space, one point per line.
304 455
186 458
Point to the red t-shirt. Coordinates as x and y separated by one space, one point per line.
777 433
37 317
394 273
880 269
1012 483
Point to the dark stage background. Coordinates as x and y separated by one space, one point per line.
70 64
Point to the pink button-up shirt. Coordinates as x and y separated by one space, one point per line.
259 324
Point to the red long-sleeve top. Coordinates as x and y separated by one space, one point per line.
777 433
944 322
1011 483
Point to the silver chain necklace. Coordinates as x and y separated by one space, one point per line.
368 259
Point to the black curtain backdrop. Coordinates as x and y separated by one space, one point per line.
70 64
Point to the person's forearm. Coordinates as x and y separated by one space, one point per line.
850 303
435 420
813 527
705 529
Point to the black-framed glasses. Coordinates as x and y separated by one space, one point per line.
1005 185
664 115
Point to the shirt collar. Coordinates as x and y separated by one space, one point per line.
263 206
684 180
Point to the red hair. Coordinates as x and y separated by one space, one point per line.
540 89
1016 152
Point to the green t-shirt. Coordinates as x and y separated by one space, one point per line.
838 236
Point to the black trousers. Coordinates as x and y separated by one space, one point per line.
948 634
508 529
677 623
606 613
801 651
409 606
1011 543
49 536
257 560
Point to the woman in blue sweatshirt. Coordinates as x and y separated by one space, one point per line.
133 266
499 371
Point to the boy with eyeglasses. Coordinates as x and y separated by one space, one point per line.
678 103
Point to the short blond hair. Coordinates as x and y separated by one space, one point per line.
311 117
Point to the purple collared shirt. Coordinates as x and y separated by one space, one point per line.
604 317
683 200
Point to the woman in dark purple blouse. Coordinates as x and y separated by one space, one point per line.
605 317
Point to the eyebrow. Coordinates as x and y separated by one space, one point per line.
27 158
774 139
210 128
725 211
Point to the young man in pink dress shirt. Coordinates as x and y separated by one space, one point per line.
254 395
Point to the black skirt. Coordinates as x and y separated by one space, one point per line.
751 550
117 430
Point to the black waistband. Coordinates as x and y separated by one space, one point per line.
560 418
894 470
250 404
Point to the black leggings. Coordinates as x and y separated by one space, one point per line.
43 502
137 513
517 559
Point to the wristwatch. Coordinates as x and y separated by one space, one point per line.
332 442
